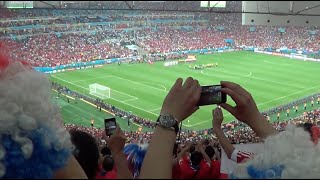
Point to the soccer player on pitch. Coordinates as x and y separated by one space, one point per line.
312 103
296 108
278 116
288 110
92 122
305 106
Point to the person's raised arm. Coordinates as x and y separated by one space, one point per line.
180 103
246 109
217 154
223 140
116 143
200 148
184 151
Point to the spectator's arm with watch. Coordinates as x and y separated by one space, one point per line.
179 104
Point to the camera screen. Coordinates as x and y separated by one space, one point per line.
210 95
110 126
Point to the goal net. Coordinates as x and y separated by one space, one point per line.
99 91
298 56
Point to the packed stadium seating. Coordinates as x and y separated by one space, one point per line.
242 135
49 38
75 40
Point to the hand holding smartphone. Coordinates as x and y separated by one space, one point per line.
211 95
110 125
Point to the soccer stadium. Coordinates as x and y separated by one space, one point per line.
120 59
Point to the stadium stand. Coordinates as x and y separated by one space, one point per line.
78 41
50 38
241 135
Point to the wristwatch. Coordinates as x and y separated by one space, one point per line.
168 121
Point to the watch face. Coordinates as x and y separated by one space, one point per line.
167 120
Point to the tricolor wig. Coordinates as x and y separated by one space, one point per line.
33 144
289 154
135 154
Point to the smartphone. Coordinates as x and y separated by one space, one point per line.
211 95
110 125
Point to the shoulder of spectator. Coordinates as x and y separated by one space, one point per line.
240 156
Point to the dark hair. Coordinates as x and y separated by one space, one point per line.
175 149
107 163
210 151
86 152
307 127
206 142
196 158
192 149
105 151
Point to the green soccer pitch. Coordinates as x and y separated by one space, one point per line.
141 88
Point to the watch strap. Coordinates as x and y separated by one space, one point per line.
175 127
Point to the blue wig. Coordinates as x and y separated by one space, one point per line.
135 154
266 173
43 161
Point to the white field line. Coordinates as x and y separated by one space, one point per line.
133 99
164 88
110 98
141 84
92 78
155 109
252 77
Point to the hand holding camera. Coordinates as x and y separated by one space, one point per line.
182 100
246 109
116 141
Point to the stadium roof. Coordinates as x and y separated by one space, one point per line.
301 8
308 8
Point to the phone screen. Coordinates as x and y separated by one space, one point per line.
110 126
211 95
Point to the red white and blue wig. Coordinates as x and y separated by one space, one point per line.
33 144
135 154
289 154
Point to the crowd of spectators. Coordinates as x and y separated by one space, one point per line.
196 153
51 50
34 132
238 134
236 131
234 125
64 40
293 104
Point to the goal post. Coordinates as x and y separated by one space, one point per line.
99 91
298 56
